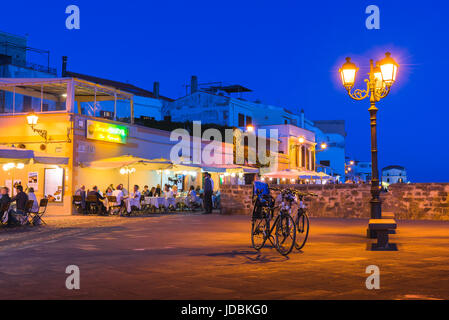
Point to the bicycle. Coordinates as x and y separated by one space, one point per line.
263 212
301 219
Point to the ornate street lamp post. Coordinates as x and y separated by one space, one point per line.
378 85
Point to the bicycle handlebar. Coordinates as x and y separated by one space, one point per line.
297 192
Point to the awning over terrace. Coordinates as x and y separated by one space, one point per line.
131 161
284 174
10 154
231 168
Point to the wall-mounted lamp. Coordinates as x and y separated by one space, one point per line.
12 165
32 119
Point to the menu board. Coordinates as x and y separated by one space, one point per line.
33 181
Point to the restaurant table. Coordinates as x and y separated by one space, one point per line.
184 200
129 202
158 202
155 201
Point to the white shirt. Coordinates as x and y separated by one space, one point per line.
118 194
136 195
168 194
32 196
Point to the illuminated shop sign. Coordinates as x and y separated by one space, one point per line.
106 132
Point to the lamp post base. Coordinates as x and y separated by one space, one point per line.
371 234
376 213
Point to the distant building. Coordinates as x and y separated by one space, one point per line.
296 145
394 174
223 105
358 171
331 132
14 62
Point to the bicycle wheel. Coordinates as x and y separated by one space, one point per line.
259 232
285 234
302 230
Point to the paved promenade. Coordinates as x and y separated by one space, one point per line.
209 257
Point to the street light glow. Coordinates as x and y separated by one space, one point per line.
32 119
389 69
348 72
301 140
378 77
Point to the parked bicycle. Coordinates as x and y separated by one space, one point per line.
301 218
263 212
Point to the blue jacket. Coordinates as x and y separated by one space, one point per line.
207 185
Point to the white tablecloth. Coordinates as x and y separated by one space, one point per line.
129 202
184 200
155 201
159 201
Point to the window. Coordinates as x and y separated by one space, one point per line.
249 120
241 120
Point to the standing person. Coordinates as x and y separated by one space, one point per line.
208 190
32 196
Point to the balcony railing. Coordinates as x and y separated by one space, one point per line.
35 67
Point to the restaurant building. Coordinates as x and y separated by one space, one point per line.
65 141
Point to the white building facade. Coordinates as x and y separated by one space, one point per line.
394 174
216 105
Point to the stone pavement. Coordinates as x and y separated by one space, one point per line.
209 257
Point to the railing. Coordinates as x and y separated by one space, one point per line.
35 67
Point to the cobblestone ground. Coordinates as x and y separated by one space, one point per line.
209 257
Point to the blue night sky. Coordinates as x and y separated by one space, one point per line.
288 52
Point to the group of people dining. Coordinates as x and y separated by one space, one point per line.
129 200
16 212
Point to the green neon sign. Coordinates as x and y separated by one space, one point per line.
109 132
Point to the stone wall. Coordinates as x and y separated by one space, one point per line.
428 201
